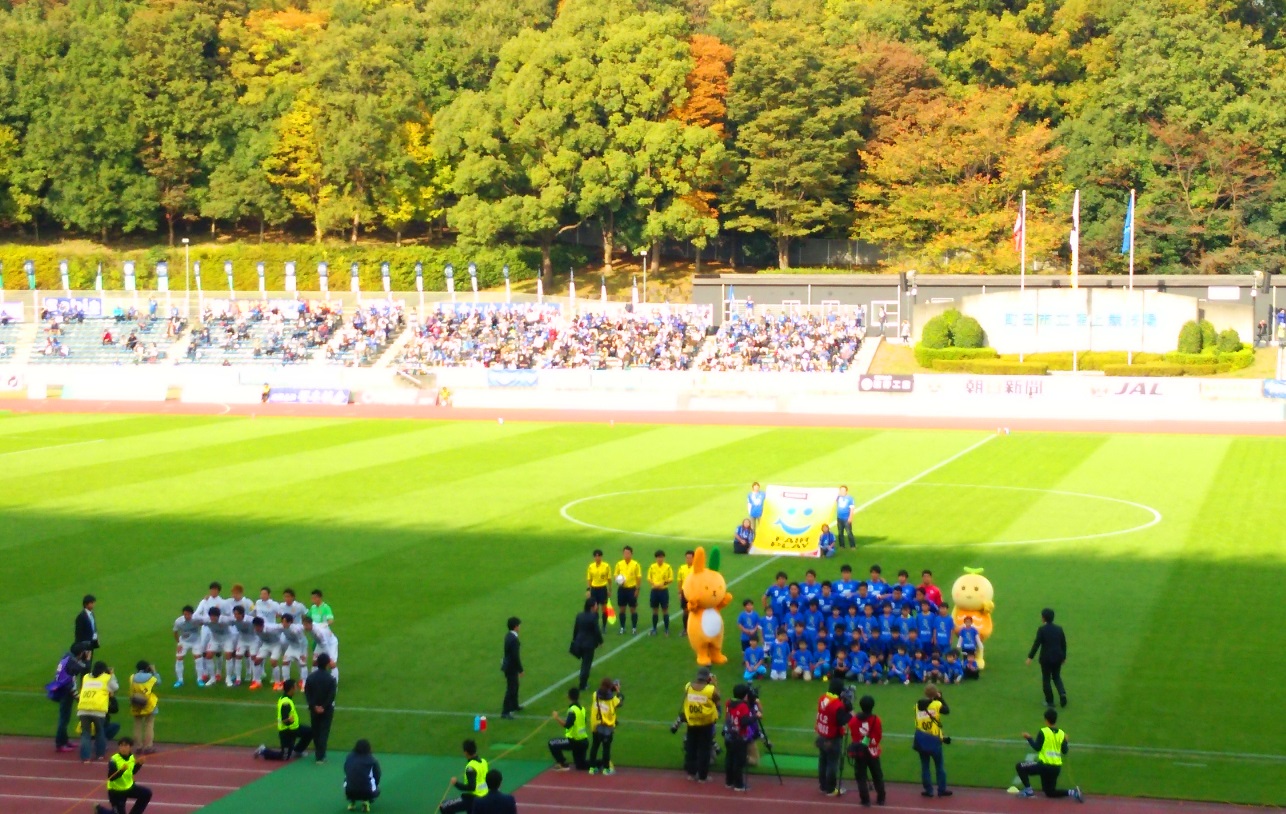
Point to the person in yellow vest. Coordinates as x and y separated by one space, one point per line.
92 706
293 736
472 787
602 726
684 570
120 781
1050 744
929 739
659 577
142 703
700 711
628 575
575 734
597 577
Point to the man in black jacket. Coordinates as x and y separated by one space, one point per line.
319 691
1052 645
586 638
511 666
86 624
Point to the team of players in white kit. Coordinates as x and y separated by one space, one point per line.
231 638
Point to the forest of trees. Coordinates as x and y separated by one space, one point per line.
911 124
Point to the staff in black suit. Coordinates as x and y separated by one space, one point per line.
496 801
319 692
86 625
511 666
1052 645
586 638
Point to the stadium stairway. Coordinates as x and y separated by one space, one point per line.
866 354
18 338
394 350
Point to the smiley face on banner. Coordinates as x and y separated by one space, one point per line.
793 519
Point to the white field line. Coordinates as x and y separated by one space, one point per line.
443 713
53 446
770 561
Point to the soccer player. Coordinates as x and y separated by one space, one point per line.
293 649
768 624
659 576
267 638
684 570
931 591
211 600
217 640
779 667
876 584
239 600
324 641
903 591
776 595
289 605
319 611
900 666
811 589
597 576
943 627
627 592
266 607
845 588
243 631
844 517
755 505
187 640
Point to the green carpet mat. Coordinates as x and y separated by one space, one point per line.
409 781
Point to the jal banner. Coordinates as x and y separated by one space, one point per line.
792 520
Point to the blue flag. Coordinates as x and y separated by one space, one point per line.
1127 234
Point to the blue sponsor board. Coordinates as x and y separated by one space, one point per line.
308 395
1275 388
489 307
91 306
512 378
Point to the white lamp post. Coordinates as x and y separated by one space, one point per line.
187 280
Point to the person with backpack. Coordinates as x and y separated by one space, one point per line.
62 690
142 703
865 733
737 732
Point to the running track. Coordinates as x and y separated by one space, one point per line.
36 780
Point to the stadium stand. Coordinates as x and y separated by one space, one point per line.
124 338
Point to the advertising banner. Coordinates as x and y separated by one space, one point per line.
308 395
792 520
886 383
90 306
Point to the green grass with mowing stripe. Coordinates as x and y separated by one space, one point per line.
426 536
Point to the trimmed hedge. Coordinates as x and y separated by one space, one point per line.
936 335
1086 360
1163 369
1229 341
925 356
996 367
1209 339
83 259
1190 337
968 333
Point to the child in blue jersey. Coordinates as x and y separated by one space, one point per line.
821 661
813 619
837 628
826 541
924 624
903 590
943 627
768 624
810 588
792 617
863 597
869 623
802 661
888 623
779 666
967 639
844 505
845 588
873 672
876 584
896 642
953 670
753 660
913 643
971 668
793 595
775 595
906 622
921 601
919 666
826 599
900 666
841 667
747 622
934 674
755 505
823 639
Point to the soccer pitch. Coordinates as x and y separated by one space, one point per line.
1160 554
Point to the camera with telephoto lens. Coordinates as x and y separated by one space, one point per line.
674 727
946 740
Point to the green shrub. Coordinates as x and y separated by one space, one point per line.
1229 341
935 335
1190 337
993 367
1239 359
1209 338
950 317
925 356
967 333
1179 358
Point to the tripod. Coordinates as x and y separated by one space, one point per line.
759 719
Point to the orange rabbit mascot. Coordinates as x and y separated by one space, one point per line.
707 594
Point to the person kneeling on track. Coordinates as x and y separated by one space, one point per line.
120 782
293 736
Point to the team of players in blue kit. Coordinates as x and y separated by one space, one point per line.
870 631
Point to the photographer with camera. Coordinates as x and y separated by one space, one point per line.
737 730
865 731
700 711
834 709
929 739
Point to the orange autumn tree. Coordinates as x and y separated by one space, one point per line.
945 180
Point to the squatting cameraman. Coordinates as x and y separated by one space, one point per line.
834 709
700 711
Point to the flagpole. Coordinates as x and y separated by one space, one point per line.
1130 354
1022 274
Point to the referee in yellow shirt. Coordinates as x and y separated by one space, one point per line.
659 576
629 575
684 570
597 576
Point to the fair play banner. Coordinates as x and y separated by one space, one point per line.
792 520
